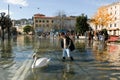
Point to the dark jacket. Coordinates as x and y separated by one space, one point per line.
69 43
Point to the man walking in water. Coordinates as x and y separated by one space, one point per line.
65 44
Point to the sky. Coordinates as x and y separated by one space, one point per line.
19 9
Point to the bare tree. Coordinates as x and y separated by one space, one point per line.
60 20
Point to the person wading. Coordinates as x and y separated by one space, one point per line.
67 46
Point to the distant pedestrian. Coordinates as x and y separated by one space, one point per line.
67 46
101 36
90 38
90 35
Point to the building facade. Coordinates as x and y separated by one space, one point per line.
47 24
114 10
114 27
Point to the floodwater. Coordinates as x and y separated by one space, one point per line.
92 61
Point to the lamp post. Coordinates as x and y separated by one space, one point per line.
9 23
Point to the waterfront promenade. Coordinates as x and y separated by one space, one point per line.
95 61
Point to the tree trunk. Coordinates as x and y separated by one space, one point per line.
2 34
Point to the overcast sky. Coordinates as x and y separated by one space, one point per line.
27 8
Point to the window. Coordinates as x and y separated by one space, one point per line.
47 25
47 21
115 12
43 21
115 25
36 21
40 21
39 25
52 21
110 25
36 25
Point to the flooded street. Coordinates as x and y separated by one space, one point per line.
13 54
94 61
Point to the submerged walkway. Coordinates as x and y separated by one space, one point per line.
94 61
86 66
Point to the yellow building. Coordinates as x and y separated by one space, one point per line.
46 24
42 23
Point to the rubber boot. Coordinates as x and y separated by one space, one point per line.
63 59
71 58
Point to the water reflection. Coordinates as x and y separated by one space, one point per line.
113 52
106 52
61 71
80 45
68 72
12 55
47 44
100 51
92 61
89 57
6 57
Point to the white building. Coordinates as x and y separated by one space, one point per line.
114 10
114 27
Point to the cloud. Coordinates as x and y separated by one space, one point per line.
17 2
